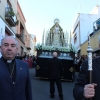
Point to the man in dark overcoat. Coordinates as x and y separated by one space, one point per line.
55 69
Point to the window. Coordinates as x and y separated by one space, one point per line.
8 4
21 50
75 38
22 31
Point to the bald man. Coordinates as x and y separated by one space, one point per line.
15 82
55 69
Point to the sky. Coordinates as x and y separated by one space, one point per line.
40 14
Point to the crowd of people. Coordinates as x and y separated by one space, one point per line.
31 60
15 82
80 59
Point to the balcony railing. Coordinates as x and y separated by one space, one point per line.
20 38
18 35
10 16
28 48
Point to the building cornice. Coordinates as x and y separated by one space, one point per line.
21 10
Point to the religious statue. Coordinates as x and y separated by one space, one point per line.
56 35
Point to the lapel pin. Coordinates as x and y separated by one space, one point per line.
20 68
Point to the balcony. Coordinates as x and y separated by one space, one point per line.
28 48
10 17
18 35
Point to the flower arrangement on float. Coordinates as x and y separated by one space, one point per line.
50 48
53 48
64 49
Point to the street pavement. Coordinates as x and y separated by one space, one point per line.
40 88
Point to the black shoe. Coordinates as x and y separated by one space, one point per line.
61 98
52 96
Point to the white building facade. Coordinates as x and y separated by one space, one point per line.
5 28
83 26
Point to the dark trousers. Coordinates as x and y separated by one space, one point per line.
59 87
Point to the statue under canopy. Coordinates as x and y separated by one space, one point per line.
56 36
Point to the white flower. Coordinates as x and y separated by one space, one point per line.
53 48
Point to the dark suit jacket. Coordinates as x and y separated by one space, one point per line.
83 80
21 90
55 68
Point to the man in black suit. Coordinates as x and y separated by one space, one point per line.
83 90
15 83
55 69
